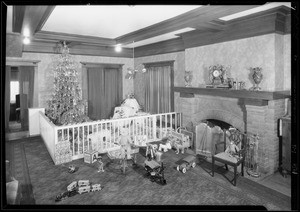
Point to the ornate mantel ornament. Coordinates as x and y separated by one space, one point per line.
188 77
257 76
218 75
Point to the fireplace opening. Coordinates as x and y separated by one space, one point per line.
214 122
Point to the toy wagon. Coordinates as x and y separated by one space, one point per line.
187 163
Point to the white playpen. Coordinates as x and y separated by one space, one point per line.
150 127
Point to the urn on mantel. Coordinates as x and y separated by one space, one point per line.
257 77
188 77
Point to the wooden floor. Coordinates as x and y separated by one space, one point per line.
275 181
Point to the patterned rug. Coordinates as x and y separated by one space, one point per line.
41 181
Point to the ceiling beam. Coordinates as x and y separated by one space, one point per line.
200 15
43 35
30 17
18 16
212 26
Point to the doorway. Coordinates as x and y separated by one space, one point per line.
14 115
19 97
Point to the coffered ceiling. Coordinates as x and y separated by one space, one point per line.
131 26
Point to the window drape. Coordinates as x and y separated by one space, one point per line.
26 93
112 90
7 97
157 89
95 93
104 91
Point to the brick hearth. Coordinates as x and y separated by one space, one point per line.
256 115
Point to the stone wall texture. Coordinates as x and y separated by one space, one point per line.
14 45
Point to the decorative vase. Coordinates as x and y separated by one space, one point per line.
257 76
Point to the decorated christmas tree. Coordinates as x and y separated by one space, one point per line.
66 105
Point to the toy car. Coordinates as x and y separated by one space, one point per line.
187 163
155 171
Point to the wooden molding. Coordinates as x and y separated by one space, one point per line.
31 17
209 30
159 63
18 16
272 21
277 20
163 47
102 65
21 62
54 36
51 48
259 98
202 14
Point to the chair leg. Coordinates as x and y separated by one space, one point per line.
234 180
242 169
212 166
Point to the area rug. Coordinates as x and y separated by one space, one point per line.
42 181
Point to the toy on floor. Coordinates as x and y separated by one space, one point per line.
151 151
182 145
72 169
121 158
89 188
187 163
100 167
78 187
125 143
165 147
179 141
155 171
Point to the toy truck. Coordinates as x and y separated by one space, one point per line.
187 163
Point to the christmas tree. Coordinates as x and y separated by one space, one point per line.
66 105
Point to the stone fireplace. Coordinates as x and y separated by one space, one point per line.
248 111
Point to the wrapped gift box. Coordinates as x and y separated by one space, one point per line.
62 152
90 156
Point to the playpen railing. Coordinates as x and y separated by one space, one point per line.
47 131
151 126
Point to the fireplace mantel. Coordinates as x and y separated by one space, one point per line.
249 97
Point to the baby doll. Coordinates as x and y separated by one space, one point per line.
125 143
100 168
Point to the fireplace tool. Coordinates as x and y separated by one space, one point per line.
251 156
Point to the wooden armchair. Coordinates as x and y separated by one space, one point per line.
234 152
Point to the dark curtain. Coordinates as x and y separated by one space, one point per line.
157 89
26 93
112 90
7 97
104 91
96 104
